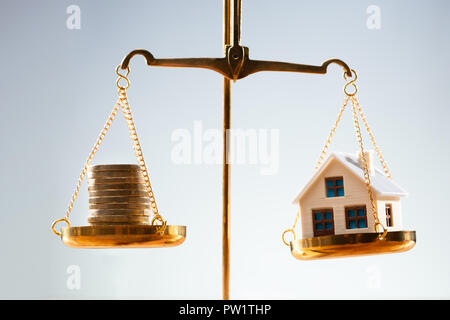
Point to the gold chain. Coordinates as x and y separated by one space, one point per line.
100 138
351 96
387 172
138 152
122 103
378 226
324 151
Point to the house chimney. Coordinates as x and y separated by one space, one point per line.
369 159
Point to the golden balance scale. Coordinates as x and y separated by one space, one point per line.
121 197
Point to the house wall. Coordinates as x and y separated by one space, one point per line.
355 193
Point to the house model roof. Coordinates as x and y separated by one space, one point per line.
380 183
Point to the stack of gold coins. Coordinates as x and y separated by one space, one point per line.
117 195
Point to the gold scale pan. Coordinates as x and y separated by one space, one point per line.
119 210
352 245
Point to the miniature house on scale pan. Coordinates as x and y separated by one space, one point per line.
335 200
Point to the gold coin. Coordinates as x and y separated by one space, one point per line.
129 205
116 218
119 212
119 219
115 167
112 174
120 224
122 186
146 216
117 180
124 199
118 193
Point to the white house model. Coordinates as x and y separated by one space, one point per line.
335 200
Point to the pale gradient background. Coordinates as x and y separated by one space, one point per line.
57 86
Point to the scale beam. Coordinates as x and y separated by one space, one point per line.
235 65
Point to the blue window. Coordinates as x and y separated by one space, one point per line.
334 187
356 217
323 222
330 193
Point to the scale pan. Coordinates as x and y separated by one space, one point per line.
351 245
122 236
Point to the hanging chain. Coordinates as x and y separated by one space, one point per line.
122 103
100 138
291 230
351 96
322 156
387 172
324 151
382 231
138 152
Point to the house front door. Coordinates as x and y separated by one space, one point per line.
323 222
